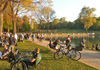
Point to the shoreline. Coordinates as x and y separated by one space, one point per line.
66 34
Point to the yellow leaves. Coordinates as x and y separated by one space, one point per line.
50 2
88 22
87 17
19 21
56 21
46 10
26 3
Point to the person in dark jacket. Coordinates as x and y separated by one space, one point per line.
12 42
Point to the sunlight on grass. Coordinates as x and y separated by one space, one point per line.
47 62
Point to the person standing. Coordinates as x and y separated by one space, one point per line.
69 38
15 35
12 42
33 37
68 41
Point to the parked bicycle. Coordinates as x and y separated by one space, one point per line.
73 53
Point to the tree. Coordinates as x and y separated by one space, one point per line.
55 22
49 15
19 8
63 19
7 22
25 19
3 5
26 27
87 17
39 13
96 26
78 24
19 23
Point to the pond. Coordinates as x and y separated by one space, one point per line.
75 40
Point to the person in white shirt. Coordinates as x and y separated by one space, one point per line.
15 36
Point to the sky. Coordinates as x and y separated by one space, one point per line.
71 8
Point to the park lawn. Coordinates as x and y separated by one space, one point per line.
47 62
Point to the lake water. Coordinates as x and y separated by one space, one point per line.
90 40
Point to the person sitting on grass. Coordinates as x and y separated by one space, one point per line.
5 41
93 46
34 56
82 43
97 47
54 44
4 53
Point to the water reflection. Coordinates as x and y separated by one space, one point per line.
90 40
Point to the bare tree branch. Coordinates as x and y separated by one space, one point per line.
23 12
5 6
15 1
2 2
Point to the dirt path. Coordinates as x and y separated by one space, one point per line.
89 57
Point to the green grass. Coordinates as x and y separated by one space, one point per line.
71 31
47 62
65 30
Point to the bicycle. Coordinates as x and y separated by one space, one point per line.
21 65
73 53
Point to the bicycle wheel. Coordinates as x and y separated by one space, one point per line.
76 55
19 66
58 55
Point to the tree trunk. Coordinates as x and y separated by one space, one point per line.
8 29
48 27
86 30
14 25
40 24
18 30
32 24
1 21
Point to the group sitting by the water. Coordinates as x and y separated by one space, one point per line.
97 47
54 44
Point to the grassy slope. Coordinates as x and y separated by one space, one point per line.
48 62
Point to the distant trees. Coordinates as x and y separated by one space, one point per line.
87 17
49 15
42 17
86 20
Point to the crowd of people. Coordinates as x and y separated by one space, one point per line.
9 41
37 36
67 42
